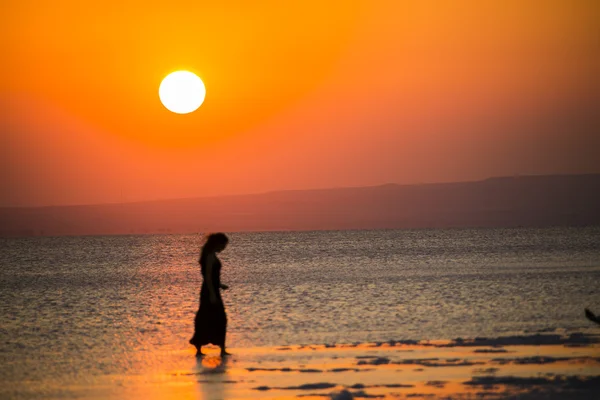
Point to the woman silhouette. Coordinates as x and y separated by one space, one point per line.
211 321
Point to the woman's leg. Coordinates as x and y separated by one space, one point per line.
196 339
223 351
224 335
198 347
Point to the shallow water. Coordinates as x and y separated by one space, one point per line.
75 308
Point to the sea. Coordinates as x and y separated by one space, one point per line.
75 308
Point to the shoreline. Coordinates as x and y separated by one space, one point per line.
534 366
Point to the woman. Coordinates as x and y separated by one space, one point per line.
211 321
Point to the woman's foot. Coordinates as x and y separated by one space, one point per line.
224 353
199 352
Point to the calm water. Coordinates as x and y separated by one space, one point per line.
73 308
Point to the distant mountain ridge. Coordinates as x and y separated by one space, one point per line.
532 201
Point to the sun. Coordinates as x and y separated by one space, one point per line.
182 92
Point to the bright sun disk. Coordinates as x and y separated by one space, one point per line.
182 92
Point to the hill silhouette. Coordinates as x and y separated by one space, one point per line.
531 201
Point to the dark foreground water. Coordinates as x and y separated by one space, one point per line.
73 308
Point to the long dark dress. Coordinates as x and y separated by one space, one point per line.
211 321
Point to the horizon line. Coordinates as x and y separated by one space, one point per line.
305 190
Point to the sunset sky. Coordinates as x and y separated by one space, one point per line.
299 94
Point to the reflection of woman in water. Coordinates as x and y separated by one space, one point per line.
211 321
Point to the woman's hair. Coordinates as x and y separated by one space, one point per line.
214 241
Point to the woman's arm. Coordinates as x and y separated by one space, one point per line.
210 261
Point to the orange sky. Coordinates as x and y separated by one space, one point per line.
300 94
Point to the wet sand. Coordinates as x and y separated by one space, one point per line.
538 366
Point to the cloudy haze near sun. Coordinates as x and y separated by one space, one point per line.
299 94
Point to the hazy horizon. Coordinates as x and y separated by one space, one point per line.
533 201
310 189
